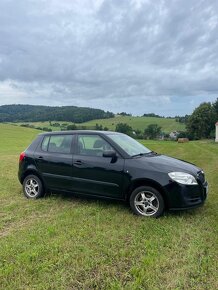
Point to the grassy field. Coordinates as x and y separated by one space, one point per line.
167 125
63 242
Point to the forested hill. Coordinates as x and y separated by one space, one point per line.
30 113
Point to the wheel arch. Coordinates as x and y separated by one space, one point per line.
147 182
32 171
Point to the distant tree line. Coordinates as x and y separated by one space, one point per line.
124 114
29 113
96 127
152 115
180 119
65 127
46 129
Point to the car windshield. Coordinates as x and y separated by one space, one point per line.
129 145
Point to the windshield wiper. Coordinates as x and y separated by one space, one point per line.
153 152
139 154
142 154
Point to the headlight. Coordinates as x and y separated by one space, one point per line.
183 178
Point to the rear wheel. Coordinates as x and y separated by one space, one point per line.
147 201
32 187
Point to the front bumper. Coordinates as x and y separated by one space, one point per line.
186 196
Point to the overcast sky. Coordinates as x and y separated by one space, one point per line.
137 56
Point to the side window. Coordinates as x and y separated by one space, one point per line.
92 145
45 143
60 143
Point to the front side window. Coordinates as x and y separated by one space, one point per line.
92 145
57 143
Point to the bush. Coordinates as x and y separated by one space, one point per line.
72 127
47 129
124 128
153 131
98 127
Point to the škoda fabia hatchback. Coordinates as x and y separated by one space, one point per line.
110 165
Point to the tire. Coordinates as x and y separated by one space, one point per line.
147 201
33 187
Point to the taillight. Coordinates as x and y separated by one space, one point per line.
22 155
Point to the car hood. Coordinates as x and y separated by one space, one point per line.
168 164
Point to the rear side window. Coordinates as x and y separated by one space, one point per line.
45 143
57 143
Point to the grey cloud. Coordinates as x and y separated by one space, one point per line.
96 51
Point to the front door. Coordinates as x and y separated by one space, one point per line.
93 173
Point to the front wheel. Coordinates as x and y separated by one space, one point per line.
147 201
32 187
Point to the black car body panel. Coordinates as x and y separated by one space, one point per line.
97 175
111 177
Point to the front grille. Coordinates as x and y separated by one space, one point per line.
201 177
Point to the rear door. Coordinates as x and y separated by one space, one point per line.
54 160
93 173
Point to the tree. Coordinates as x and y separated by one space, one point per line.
215 106
182 119
138 134
98 127
201 122
124 114
124 128
152 115
152 131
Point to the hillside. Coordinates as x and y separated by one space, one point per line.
12 139
168 125
29 113
140 123
43 116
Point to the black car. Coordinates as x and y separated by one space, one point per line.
110 165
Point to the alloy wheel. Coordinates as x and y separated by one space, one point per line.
146 203
32 187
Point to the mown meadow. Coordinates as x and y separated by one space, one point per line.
65 242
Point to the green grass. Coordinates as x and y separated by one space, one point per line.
63 242
167 125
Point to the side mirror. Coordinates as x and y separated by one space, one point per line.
109 154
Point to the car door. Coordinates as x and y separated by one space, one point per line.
54 160
94 174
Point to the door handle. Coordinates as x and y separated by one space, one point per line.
78 162
40 157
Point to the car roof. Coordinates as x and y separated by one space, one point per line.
92 132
